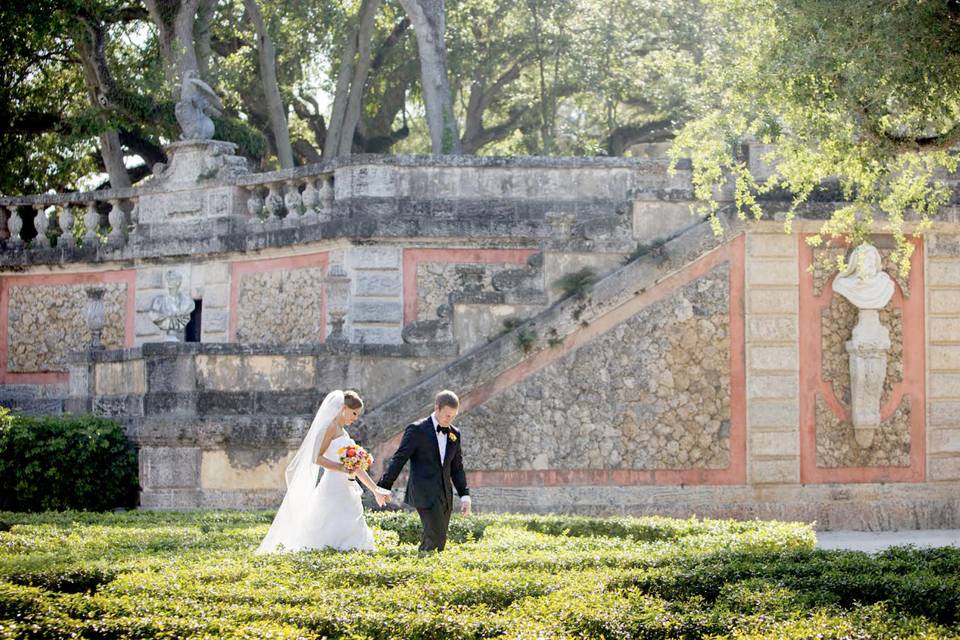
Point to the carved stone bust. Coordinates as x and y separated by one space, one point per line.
171 311
863 282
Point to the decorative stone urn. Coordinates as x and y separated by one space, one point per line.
338 301
868 288
96 316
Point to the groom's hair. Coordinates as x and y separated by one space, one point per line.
352 400
447 398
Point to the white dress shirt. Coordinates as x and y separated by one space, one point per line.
442 440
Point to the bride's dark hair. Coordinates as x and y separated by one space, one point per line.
352 400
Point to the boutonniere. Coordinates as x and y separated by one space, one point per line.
452 436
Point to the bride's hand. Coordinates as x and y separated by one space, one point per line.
381 499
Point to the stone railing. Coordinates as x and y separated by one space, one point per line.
292 197
74 219
206 202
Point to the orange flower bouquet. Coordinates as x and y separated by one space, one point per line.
354 458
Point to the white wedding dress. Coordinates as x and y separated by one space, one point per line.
325 514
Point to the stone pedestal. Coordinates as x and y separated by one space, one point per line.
868 367
193 188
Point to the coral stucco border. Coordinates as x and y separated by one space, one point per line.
811 382
127 276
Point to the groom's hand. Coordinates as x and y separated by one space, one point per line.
465 507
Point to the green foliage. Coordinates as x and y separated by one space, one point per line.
149 574
576 283
76 462
863 95
408 528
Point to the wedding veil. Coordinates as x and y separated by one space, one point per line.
301 477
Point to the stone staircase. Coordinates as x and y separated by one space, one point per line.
563 324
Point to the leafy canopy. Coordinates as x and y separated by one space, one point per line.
864 94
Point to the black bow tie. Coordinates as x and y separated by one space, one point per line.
444 430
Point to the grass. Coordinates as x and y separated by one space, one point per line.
176 575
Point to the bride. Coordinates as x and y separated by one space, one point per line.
328 513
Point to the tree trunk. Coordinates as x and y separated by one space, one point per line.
354 68
268 76
89 45
202 37
429 23
176 37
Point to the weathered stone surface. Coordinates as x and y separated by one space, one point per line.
370 310
437 280
226 470
775 471
121 378
667 406
769 300
378 283
772 329
774 414
254 372
837 448
59 310
280 306
374 257
169 467
774 443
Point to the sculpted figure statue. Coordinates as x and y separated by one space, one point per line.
863 283
171 311
197 103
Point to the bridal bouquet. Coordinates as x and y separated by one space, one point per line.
354 458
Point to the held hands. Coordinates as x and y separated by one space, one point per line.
382 496
465 508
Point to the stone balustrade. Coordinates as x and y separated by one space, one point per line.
73 219
300 196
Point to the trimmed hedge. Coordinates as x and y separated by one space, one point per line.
193 575
74 462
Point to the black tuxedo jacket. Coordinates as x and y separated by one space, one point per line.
429 480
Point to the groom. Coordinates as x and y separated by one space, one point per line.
433 448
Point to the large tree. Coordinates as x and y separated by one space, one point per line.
864 93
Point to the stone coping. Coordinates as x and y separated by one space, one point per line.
329 166
175 349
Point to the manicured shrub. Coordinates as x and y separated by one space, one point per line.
194 575
74 462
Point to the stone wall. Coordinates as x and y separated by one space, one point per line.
943 349
652 393
705 377
773 358
46 323
280 307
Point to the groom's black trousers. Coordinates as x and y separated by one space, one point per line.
435 519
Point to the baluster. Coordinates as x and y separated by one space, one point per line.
116 222
326 191
311 199
134 218
4 221
91 220
15 224
293 201
255 203
41 222
67 220
274 203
